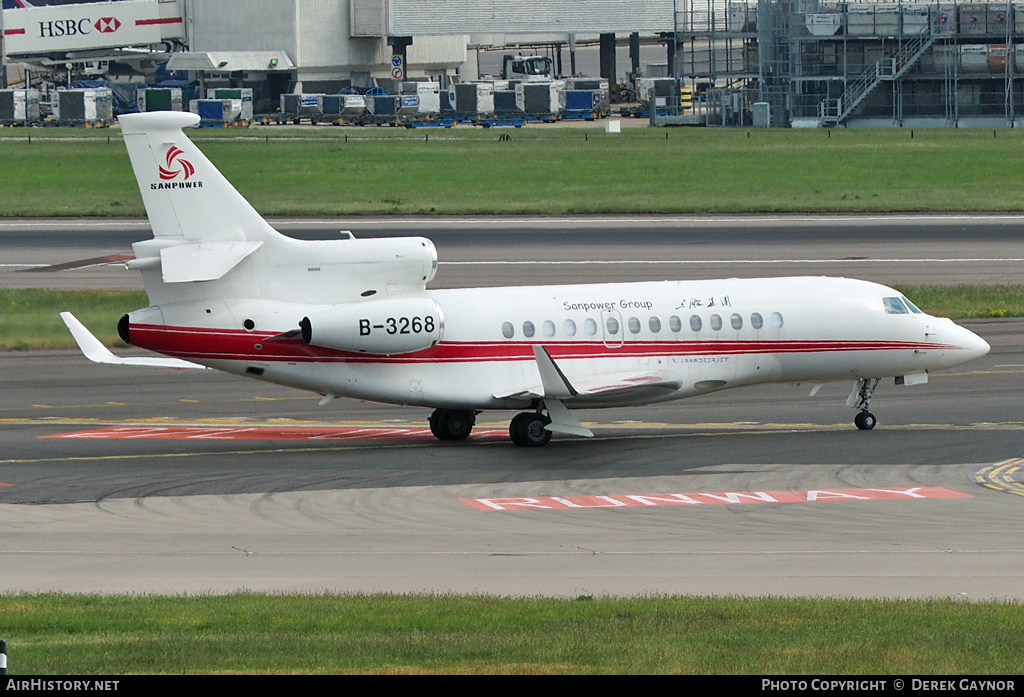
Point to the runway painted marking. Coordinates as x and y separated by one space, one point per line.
5 484
266 433
709 498
1006 476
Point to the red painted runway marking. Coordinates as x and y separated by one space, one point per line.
267 433
3 484
702 498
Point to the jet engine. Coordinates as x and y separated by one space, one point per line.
384 327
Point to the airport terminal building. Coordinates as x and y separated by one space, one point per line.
800 63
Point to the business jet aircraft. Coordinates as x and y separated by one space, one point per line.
353 318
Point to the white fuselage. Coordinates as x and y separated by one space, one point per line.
353 317
696 336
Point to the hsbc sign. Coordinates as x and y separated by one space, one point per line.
72 27
81 27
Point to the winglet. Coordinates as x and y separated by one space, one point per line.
96 352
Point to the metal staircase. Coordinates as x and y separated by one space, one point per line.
834 111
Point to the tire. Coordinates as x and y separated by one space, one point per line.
865 421
527 430
459 424
452 424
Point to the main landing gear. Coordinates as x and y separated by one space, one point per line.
528 429
860 398
452 424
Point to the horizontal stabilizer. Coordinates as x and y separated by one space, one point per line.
202 261
96 352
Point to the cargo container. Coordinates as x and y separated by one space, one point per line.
219 112
539 98
160 99
301 106
472 97
243 94
19 107
505 102
84 107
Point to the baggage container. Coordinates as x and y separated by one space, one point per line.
473 98
84 107
19 107
219 112
302 105
160 99
244 94
539 98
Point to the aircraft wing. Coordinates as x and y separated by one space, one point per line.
555 385
96 352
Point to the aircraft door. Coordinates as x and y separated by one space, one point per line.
612 328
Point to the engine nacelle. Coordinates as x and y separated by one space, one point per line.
384 327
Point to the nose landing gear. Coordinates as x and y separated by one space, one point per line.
860 398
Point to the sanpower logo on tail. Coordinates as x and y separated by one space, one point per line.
177 167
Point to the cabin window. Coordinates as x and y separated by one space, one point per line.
634 325
590 327
611 325
715 322
696 323
894 306
675 324
507 330
913 308
528 329
756 321
655 324
569 327
777 320
736 321
549 328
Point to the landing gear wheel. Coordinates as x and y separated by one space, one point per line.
452 424
527 429
865 420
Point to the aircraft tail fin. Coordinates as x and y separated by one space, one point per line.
186 197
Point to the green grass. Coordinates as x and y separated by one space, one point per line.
76 634
29 319
543 170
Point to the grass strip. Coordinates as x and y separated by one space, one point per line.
325 171
117 635
29 319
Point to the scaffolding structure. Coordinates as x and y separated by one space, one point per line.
826 62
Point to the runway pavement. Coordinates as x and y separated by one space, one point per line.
906 249
135 480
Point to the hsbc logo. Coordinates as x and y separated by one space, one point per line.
107 25
77 27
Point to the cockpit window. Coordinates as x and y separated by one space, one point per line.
913 308
894 306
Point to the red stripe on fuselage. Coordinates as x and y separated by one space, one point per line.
194 343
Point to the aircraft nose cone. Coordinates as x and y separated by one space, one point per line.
972 344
